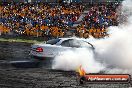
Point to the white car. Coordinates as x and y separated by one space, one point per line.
56 46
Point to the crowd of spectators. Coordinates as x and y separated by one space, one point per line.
99 17
38 19
55 20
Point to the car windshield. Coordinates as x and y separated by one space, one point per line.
53 41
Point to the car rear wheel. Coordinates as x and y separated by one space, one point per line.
82 80
43 61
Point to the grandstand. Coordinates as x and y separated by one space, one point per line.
55 20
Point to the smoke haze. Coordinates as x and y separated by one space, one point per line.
112 54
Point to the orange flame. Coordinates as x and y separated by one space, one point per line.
81 71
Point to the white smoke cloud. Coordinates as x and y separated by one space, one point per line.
125 12
112 54
72 59
115 51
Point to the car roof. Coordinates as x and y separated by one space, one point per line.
63 39
81 39
69 38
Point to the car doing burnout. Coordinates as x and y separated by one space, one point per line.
56 46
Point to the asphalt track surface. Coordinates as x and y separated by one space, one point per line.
36 74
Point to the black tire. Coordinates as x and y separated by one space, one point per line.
82 80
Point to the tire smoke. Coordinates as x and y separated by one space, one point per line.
112 54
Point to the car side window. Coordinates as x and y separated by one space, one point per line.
65 43
74 43
71 43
